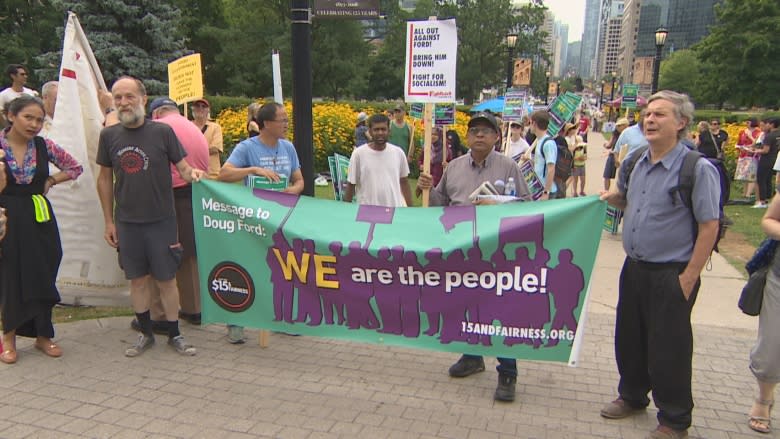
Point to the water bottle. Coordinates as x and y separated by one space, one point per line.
510 188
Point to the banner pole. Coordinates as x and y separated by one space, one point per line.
427 123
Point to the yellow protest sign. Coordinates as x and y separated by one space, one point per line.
185 79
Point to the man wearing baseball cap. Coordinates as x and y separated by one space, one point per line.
461 177
213 133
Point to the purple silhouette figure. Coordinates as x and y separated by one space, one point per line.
410 294
565 282
357 296
485 303
433 298
282 288
456 308
334 298
530 310
309 305
387 297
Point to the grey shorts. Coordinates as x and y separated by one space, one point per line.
149 248
578 171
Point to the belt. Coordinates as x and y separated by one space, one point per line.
656 265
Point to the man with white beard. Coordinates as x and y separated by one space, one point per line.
134 158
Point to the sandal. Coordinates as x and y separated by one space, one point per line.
49 348
760 423
8 356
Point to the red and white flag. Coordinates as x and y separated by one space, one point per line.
87 260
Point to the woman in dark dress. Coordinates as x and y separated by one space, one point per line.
31 251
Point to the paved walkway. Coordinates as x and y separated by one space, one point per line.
305 387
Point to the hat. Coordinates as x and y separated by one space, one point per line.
362 116
202 101
568 126
489 118
400 107
161 102
621 121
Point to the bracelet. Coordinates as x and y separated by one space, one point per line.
51 180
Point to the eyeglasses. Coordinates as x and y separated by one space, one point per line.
714 123
281 120
481 130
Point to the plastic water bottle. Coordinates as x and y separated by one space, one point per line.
510 188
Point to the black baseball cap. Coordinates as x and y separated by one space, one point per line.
489 118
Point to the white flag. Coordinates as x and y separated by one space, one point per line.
87 260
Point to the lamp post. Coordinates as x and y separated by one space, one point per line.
601 97
611 95
511 40
660 41
546 86
558 88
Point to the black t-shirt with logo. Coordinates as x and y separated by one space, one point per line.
771 139
141 158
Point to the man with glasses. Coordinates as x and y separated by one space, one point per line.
719 135
17 73
267 155
461 177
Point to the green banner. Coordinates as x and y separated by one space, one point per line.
507 280
630 93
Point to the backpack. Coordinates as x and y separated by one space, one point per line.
563 162
685 183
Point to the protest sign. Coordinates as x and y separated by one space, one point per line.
416 110
334 178
514 105
561 110
431 58
507 280
444 114
185 79
630 93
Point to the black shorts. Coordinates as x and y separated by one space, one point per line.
609 167
149 248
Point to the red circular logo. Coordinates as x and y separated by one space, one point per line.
231 287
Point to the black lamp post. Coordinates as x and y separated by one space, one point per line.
558 88
611 95
511 40
601 97
546 87
660 41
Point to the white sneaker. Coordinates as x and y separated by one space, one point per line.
759 206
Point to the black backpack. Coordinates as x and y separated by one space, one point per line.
685 183
563 163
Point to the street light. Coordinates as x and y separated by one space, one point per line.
660 41
546 87
611 95
511 40
601 98
558 88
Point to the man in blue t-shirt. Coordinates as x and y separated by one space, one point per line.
545 154
268 154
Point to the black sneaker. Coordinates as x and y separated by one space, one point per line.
192 319
181 346
158 327
505 391
467 366
143 343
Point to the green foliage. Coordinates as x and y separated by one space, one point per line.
128 37
27 28
200 20
739 57
679 72
339 54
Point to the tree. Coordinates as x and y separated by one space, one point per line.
128 37
201 20
680 73
27 29
338 57
739 57
386 70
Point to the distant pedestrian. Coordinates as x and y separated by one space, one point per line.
747 162
212 131
362 135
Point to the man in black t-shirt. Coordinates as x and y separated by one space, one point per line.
136 193
766 163
719 135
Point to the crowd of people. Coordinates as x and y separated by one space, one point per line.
147 166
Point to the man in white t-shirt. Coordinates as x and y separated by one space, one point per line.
517 144
18 75
378 174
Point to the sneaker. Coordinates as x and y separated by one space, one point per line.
664 432
143 343
467 366
192 319
181 346
236 334
619 409
759 206
505 391
158 327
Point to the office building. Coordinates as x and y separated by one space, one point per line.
590 34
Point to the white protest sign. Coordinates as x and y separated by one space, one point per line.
431 59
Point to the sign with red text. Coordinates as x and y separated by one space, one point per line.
431 59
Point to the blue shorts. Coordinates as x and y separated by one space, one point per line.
149 248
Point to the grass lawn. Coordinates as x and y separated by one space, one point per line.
747 222
65 314
326 192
